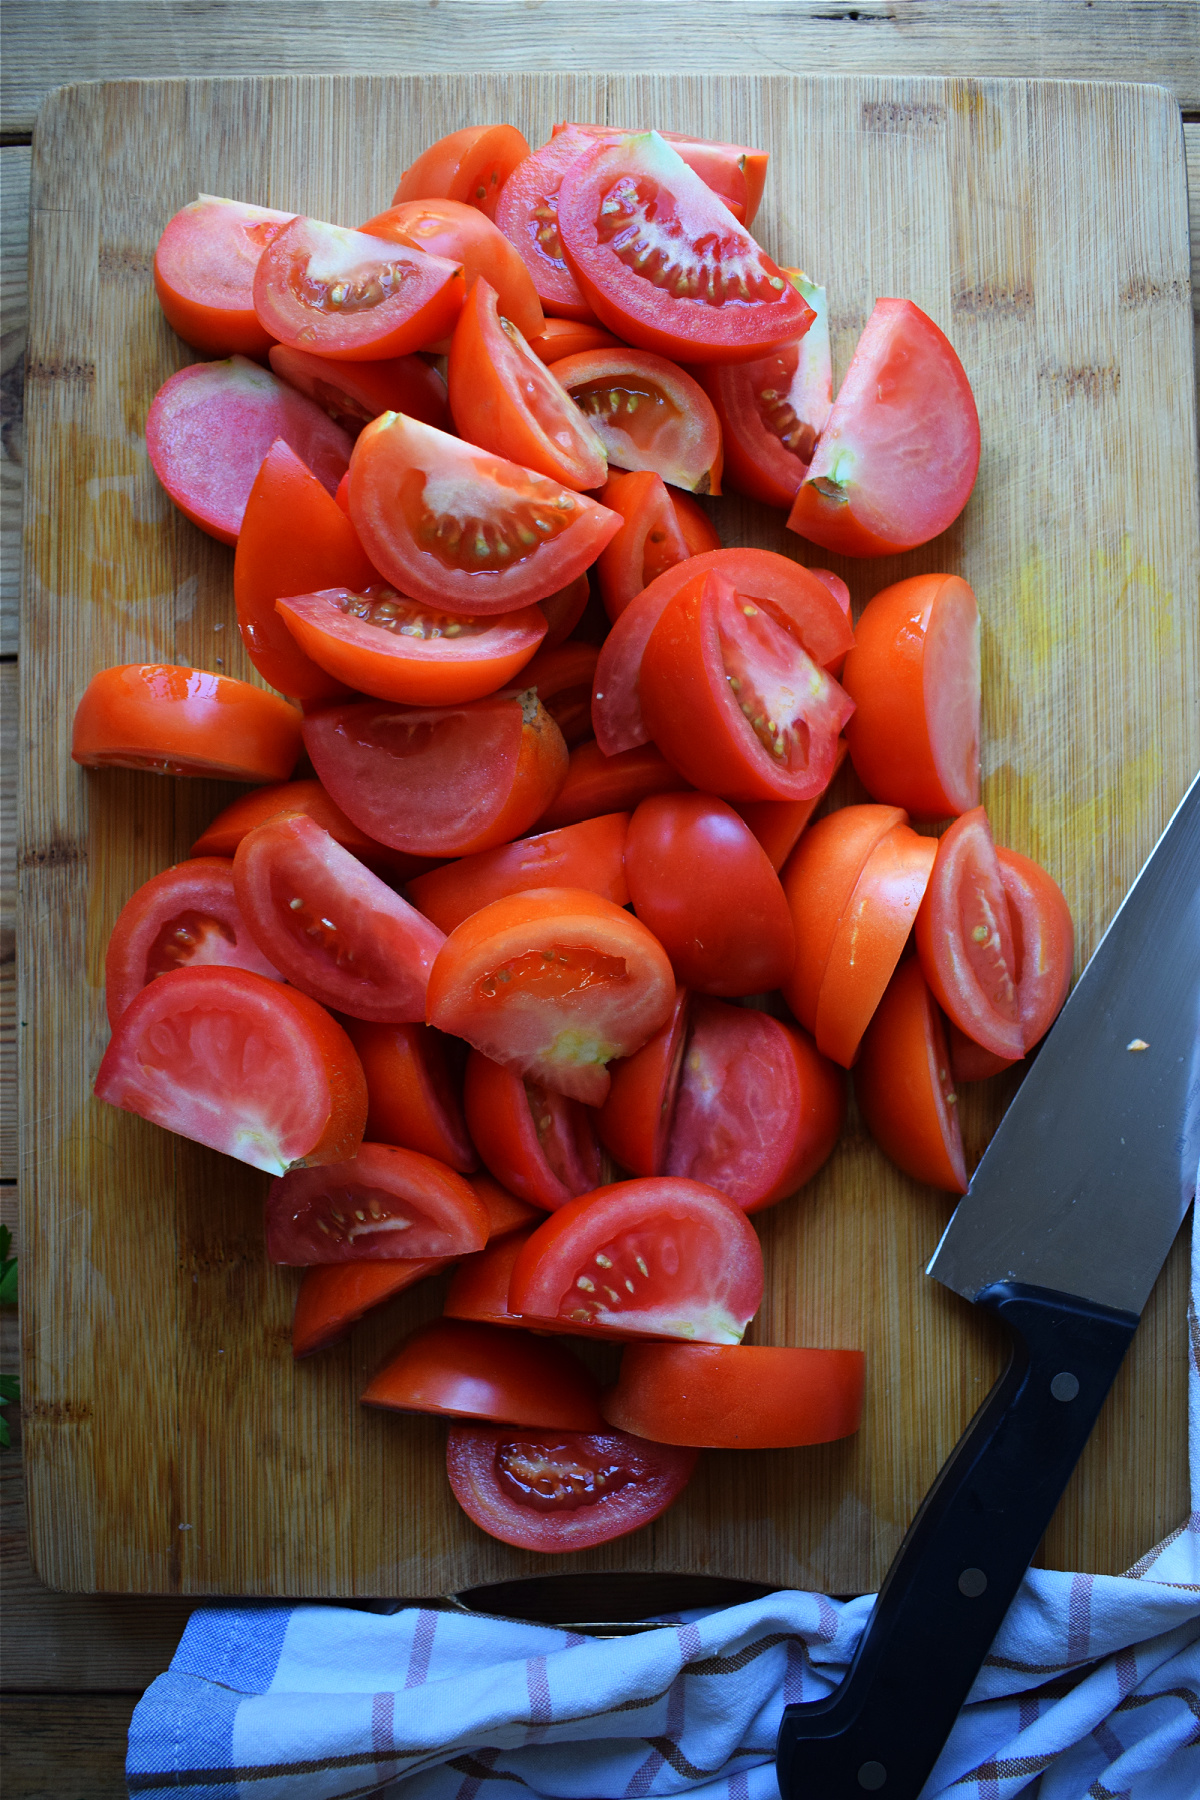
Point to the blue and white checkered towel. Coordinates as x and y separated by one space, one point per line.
1093 1686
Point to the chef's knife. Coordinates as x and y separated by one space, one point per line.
1061 1234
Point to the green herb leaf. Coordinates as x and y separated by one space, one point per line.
10 1389
8 1283
5 1440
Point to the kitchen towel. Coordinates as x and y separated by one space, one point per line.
1091 1691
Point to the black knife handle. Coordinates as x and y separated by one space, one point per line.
963 1558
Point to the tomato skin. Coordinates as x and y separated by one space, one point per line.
407 481
914 677
701 881
588 855
470 1371
304 1102
225 833
464 234
567 337
471 166
674 432
564 609
443 781
328 1215
527 214
562 679
649 541
779 824
904 1085
245 409
897 459
186 917
635 1121
355 393
737 1397
973 979
204 267
538 1144
969 1061
598 784
819 879
179 721
605 988
476 1458
411 1099
333 1297
479 1286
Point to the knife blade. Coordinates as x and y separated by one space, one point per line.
1061 1234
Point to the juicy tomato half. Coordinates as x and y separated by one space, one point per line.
904 1084
204 267
552 983
598 784
245 1065
463 234
471 166
648 414
965 938
527 214
463 528
555 1491
355 393
227 830
588 855
385 1203
663 263
737 1396
186 917
413 1099
659 529
179 721
658 1258
464 1370
735 173
538 1144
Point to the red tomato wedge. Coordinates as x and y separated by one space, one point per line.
904 1084
1043 941
245 1065
658 1258
377 642
552 983
506 1214
244 409
635 1121
969 1061
442 781
567 337
648 414
735 173
465 529
539 1144
819 879
965 938
897 459
471 165
227 830
479 1286
204 274
660 529
588 855
914 677
179 721
733 699
187 917
412 1099
294 539
663 263
506 400
562 679
527 214
757 1109
554 1491
779 824
355 393
737 1397
384 1203
353 297
336 931
598 784
469 1371
463 234
333 1297
701 881
564 609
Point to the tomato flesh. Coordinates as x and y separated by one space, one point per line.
648 414
965 938
904 1084
527 214
386 1203
538 1144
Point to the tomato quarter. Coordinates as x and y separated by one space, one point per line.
355 393
648 414
598 784
539 1144
469 1371
179 721
227 830
204 274
904 1084
588 855
412 1100
464 234
471 165
659 530
965 938
385 1203
737 1396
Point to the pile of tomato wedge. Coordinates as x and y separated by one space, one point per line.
537 946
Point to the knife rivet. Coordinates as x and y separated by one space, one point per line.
972 1582
872 1776
1065 1386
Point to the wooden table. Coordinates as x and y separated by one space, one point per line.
73 1666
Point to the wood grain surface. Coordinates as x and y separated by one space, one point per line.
1045 228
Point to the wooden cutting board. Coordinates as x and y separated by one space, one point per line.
171 1443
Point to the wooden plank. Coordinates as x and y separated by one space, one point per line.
14 241
8 921
1106 40
900 186
65 1746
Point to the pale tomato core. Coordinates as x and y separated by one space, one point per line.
190 938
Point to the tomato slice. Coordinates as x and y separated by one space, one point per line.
648 414
244 409
412 1100
442 781
562 678
555 1491
965 938
663 263
1043 941
463 234
737 1397
527 214
355 393
179 721
471 165
463 528
294 539
506 400
658 1258
699 878
819 879
733 699
660 529
227 830
778 824
598 784
567 337
552 983
353 297
904 1084
735 173
897 459
186 917
588 855
635 1121
333 1297
469 1371
539 1144
245 1065
385 1203
204 267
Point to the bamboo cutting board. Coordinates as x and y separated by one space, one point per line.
171 1444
